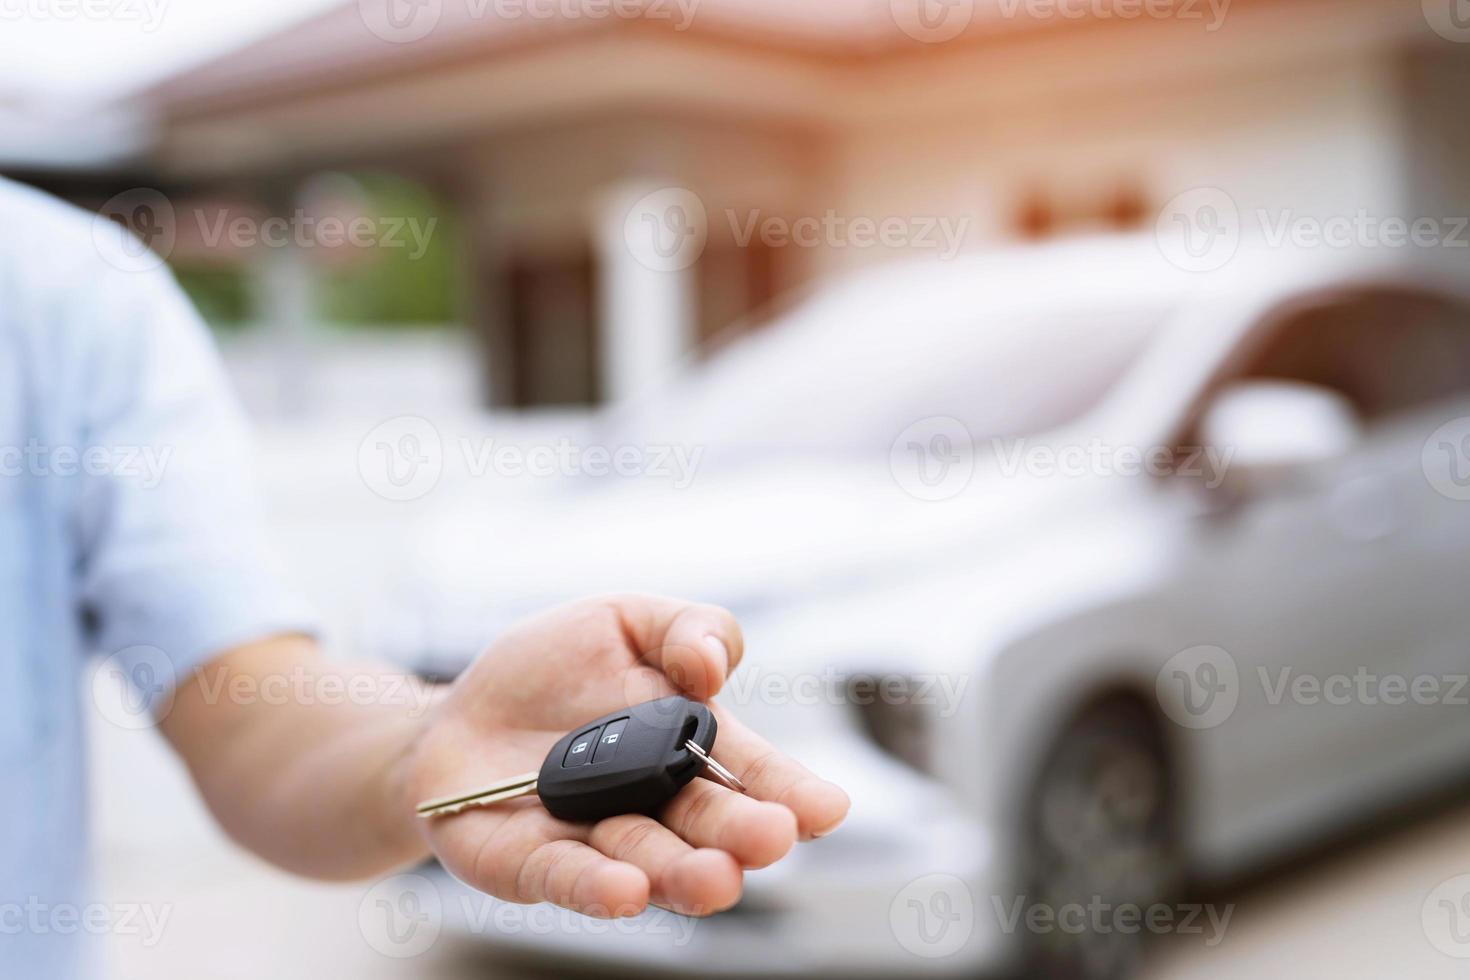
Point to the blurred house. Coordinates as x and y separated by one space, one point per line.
542 131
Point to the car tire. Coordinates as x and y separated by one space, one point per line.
1101 833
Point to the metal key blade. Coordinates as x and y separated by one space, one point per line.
726 776
506 789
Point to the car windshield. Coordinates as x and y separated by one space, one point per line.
994 343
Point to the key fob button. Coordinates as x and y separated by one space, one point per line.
607 745
580 751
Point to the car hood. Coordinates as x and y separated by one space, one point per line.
749 540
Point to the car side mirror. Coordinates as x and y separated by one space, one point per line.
1264 431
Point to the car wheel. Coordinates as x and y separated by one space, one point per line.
1101 835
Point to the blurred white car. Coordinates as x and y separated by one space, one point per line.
1086 576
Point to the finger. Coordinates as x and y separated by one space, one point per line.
571 874
819 806
530 856
689 881
754 833
695 645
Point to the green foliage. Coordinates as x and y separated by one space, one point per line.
407 279
221 294
396 286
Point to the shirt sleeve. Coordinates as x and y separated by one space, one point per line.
172 561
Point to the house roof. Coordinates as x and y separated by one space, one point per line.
351 84
340 46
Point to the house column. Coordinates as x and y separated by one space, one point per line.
281 284
648 238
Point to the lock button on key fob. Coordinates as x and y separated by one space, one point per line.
579 752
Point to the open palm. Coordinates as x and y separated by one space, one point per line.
568 666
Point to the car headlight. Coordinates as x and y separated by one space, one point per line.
892 713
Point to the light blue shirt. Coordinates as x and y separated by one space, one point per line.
128 529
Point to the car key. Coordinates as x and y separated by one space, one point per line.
630 761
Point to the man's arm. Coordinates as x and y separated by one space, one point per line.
317 766
302 760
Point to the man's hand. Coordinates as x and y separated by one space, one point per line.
566 667
325 785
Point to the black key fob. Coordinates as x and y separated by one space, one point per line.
631 761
